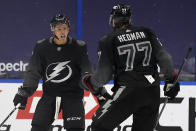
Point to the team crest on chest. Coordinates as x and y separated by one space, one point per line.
58 72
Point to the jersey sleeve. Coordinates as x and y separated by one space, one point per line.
163 58
33 73
104 70
85 64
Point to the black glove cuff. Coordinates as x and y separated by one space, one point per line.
22 92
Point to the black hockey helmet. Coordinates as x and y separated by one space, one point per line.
121 13
59 19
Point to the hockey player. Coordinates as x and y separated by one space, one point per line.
59 61
131 55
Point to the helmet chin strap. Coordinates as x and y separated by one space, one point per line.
56 37
52 29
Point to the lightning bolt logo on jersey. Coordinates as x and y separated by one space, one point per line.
58 72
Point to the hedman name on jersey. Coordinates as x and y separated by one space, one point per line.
131 36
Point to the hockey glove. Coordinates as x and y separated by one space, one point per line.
88 86
171 90
101 100
103 95
21 98
97 91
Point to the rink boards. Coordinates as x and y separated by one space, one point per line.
179 114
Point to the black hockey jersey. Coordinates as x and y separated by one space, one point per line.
59 66
134 49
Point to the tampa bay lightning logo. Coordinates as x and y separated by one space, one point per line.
58 72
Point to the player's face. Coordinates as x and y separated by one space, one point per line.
61 31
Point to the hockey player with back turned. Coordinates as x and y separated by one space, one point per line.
59 61
131 55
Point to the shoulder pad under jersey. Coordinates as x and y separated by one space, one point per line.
80 42
40 41
103 38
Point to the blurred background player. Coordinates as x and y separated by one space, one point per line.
130 55
59 61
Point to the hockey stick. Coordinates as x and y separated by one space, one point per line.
16 107
175 81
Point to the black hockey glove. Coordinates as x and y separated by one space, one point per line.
21 98
101 100
171 90
103 95
97 91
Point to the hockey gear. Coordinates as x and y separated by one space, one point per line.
72 112
175 82
88 86
97 91
59 19
171 90
16 107
121 13
21 98
103 96
57 109
121 10
101 100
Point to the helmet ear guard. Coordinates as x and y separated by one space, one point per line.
59 19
